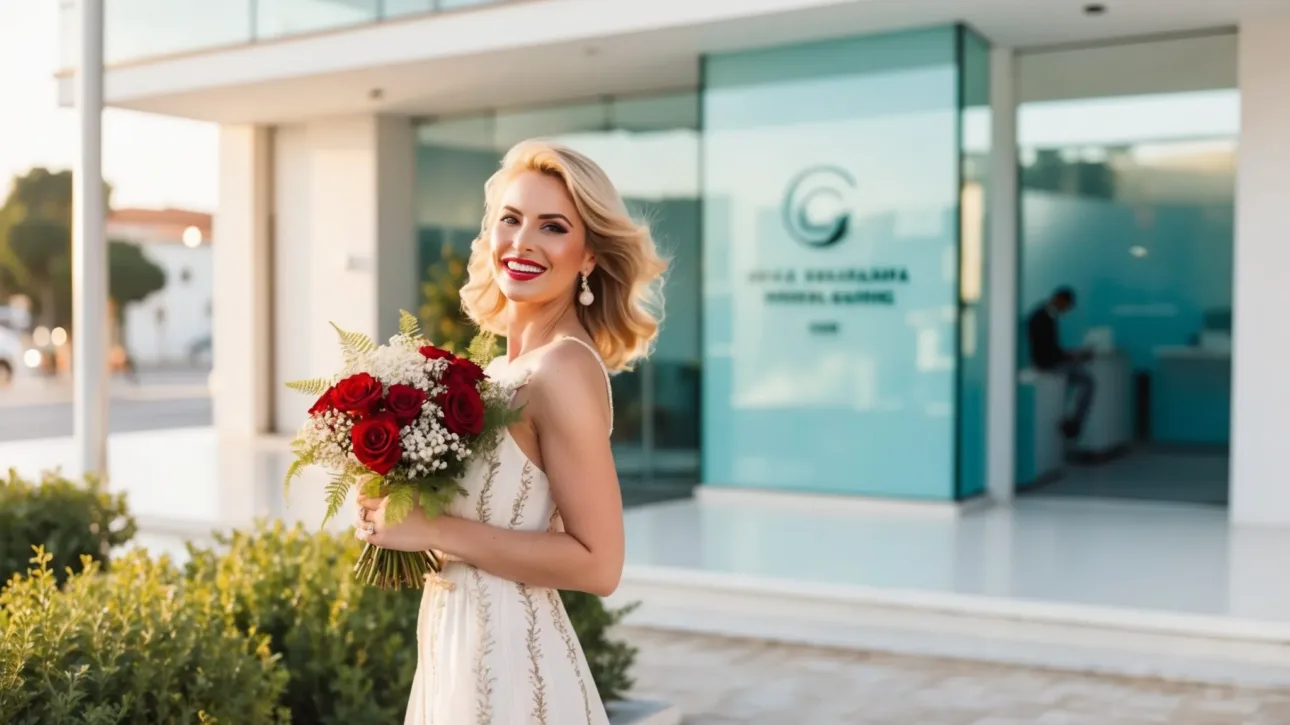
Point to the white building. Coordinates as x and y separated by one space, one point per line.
865 349
173 325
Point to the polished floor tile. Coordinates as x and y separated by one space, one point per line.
1169 558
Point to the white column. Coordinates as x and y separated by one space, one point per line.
89 253
1260 485
1002 276
345 243
241 314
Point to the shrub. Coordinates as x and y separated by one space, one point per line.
350 649
609 660
69 519
135 645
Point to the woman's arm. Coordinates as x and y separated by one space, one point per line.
568 407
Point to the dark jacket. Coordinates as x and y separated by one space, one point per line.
1045 349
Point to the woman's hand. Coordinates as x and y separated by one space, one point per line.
415 532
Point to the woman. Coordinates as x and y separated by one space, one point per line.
573 283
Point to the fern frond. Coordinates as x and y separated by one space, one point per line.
370 485
354 344
312 386
409 325
400 501
438 493
304 459
335 493
482 349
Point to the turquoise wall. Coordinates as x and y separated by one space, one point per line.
832 174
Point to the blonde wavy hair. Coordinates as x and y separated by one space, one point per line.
627 280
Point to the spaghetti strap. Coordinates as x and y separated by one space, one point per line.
609 387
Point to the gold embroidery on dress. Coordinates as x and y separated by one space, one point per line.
486 493
440 606
483 673
535 656
570 646
526 483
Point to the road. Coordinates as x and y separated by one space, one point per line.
54 420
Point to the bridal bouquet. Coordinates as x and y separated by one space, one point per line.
404 419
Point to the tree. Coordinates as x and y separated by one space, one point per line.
442 318
444 321
40 246
132 276
35 243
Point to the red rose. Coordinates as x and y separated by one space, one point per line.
430 352
463 371
463 410
358 395
404 402
376 442
324 402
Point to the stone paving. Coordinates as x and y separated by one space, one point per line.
720 681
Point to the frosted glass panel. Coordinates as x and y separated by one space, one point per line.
831 195
1138 217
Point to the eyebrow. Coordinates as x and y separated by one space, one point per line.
561 217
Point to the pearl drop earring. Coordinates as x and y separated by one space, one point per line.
586 297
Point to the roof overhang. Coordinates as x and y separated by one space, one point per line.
524 53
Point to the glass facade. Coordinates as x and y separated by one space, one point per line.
139 29
278 18
834 210
649 146
975 136
1128 197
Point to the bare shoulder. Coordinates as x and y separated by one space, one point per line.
569 379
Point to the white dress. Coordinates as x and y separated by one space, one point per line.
493 651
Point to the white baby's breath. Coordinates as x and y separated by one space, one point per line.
428 446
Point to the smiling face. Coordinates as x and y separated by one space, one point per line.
539 244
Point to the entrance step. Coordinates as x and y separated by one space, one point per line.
1098 639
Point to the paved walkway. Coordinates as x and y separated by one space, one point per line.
718 681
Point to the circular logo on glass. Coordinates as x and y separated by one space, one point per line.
817 206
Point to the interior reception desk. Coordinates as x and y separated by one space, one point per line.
1042 403
1191 396
1109 428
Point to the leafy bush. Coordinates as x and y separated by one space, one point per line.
610 661
136 645
69 519
272 615
350 649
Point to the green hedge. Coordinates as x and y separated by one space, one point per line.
137 644
350 649
70 519
333 651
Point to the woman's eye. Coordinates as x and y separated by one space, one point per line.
554 228
510 219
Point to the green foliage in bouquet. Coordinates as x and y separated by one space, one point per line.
350 648
433 493
70 519
136 645
609 660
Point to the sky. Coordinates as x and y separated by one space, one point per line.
151 161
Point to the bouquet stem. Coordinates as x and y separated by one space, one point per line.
389 569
